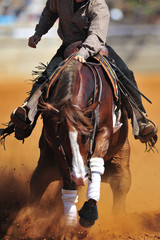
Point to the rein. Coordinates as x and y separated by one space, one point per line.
112 62
97 79
67 176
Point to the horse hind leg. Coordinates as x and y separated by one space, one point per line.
119 178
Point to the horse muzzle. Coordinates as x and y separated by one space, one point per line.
80 181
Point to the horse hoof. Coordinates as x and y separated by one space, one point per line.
88 214
86 223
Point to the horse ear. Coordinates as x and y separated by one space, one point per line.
91 108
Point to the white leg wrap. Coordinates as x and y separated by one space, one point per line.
97 165
70 198
97 169
93 191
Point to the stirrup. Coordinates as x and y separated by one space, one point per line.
150 137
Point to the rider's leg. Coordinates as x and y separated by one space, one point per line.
22 117
129 74
55 61
145 128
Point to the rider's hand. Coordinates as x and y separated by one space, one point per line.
32 41
80 58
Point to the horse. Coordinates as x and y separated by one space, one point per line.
80 143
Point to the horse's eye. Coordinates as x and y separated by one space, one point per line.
84 138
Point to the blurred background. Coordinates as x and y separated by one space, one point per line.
134 25
134 32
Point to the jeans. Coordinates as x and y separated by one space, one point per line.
129 74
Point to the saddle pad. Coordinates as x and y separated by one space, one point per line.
104 63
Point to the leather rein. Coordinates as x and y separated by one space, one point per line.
97 79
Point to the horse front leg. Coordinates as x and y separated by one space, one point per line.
101 142
69 199
89 213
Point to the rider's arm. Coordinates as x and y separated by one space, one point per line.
47 19
97 32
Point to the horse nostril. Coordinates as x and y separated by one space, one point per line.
79 181
85 180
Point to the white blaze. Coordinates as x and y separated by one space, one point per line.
78 168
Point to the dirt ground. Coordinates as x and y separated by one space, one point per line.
142 220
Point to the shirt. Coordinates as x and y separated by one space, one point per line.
88 24
77 5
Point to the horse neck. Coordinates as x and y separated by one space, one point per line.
63 90
83 86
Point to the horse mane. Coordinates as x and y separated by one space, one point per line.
63 91
61 97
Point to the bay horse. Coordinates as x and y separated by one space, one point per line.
79 141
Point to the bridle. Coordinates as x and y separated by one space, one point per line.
65 161
97 79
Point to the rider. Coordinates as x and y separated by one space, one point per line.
86 21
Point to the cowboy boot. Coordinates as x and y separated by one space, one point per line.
147 131
23 127
21 122
147 128
25 117
20 117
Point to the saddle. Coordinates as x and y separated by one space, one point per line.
101 57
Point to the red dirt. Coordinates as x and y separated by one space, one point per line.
17 163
